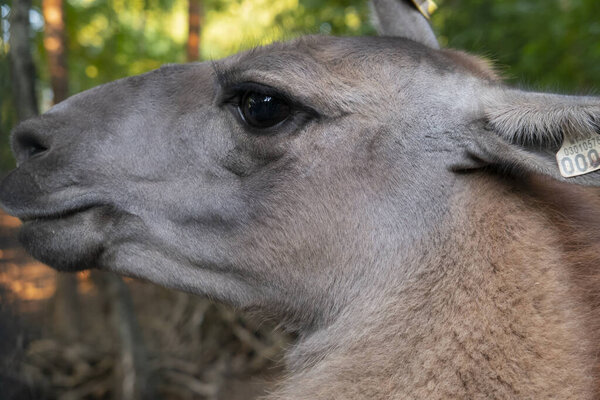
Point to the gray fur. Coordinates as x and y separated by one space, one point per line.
402 19
386 222
541 117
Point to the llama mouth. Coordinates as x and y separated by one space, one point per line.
50 207
21 197
44 217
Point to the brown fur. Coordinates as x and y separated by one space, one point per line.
503 309
575 212
474 65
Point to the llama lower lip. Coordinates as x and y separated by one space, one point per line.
67 241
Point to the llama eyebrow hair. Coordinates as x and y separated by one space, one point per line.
231 78
226 77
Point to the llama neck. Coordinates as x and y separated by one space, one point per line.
490 312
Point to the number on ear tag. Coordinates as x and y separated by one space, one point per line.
579 157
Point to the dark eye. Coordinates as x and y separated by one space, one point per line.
262 110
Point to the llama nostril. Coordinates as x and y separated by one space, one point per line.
35 149
29 145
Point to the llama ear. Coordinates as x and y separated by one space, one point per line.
405 18
554 135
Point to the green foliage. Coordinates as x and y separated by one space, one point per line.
338 17
234 25
112 39
543 44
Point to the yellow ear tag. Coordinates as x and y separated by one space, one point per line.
579 157
426 7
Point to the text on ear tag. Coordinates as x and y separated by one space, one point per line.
579 157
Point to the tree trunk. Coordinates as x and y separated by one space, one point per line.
21 63
194 23
133 379
56 48
65 307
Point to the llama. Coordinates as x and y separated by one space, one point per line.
426 230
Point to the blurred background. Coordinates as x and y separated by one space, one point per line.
97 336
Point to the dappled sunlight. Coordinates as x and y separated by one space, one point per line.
248 23
29 281
92 33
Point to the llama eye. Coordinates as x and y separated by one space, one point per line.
263 110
